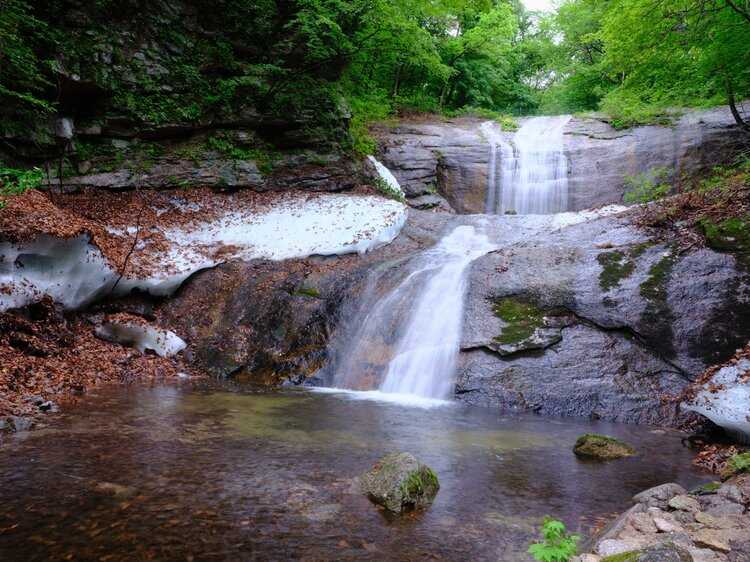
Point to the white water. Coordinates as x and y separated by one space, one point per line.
425 313
531 176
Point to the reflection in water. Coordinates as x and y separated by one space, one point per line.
172 473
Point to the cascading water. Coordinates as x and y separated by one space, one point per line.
421 358
533 169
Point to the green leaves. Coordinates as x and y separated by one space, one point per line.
557 544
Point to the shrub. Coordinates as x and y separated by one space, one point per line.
557 544
16 182
647 186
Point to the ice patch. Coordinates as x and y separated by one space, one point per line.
725 400
162 342
74 272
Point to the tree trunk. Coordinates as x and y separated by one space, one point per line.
733 107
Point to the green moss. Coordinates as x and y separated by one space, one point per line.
521 318
616 266
307 292
654 288
730 235
706 489
264 158
420 482
631 556
619 265
604 447
738 464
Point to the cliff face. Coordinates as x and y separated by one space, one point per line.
173 93
451 158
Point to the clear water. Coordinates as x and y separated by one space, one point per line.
223 473
423 314
528 174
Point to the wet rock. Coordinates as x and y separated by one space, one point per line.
48 406
658 496
684 503
713 539
113 489
453 155
667 552
601 447
19 424
400 482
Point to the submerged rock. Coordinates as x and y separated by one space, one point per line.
602 447
400 482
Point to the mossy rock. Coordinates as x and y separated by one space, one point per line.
730 235
522 320
399 482
666 552
601 447
738 464
707 489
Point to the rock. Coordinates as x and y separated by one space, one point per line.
453 155
711 538
658 496
586 558
48 406
19 424
665 523
612 547
400 482
666 552
684 503
601 447
740 551
117 490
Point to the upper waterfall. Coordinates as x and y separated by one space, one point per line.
528 173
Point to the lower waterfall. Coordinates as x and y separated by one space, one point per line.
406 341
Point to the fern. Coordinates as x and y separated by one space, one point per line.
557 544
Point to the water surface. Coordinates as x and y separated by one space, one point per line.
226 473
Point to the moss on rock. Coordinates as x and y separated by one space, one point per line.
602 447
399 482
619 264
522 320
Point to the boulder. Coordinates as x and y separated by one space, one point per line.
659 496
666 552
400 482
602 447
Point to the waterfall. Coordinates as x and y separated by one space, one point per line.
533 169
415 328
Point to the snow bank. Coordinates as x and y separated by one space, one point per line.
387 176
725 400
74 272
162 342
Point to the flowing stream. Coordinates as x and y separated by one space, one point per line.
528 173
425 313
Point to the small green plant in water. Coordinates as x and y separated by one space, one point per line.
648 186
557 544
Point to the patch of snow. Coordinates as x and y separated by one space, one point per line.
162 342
386 175
570 218
74 272
297 227
725 400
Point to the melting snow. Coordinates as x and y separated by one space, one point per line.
74 272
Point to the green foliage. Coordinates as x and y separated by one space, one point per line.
557 544
648 186
15 182
264 158
740 463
